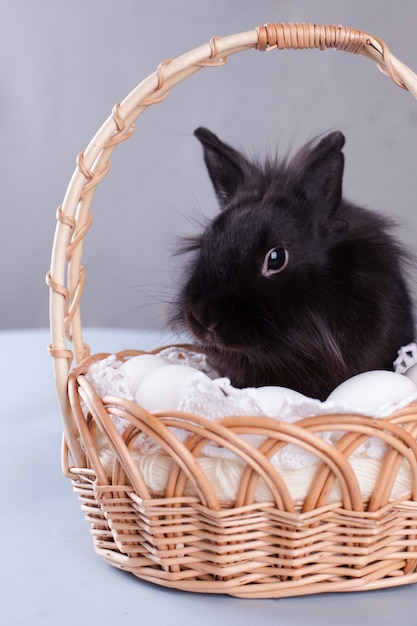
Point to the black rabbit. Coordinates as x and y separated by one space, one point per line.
290 284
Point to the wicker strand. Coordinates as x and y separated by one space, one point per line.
159 95
79 235
65 219
122 132
213 61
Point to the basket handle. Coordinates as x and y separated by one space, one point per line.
66 277
302 36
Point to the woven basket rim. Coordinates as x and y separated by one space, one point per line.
227 430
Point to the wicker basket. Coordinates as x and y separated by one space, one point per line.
274 548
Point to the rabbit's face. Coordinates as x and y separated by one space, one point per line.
247 275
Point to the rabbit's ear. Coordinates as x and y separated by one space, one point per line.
227 167
321 170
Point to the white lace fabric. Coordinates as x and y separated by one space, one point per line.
215 398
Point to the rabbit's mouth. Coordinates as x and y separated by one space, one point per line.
217 337
205 333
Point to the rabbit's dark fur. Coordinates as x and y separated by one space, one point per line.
290 284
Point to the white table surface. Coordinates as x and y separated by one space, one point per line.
49 572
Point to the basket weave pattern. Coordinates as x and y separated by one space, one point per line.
245 548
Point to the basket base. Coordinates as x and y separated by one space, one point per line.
254 551
245 588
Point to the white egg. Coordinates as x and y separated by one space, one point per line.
164 388
411 373
140 366
373 389
270 399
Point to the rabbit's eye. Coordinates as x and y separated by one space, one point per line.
275 261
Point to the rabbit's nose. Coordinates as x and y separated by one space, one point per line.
212 326
208 325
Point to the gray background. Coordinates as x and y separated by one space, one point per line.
64 65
